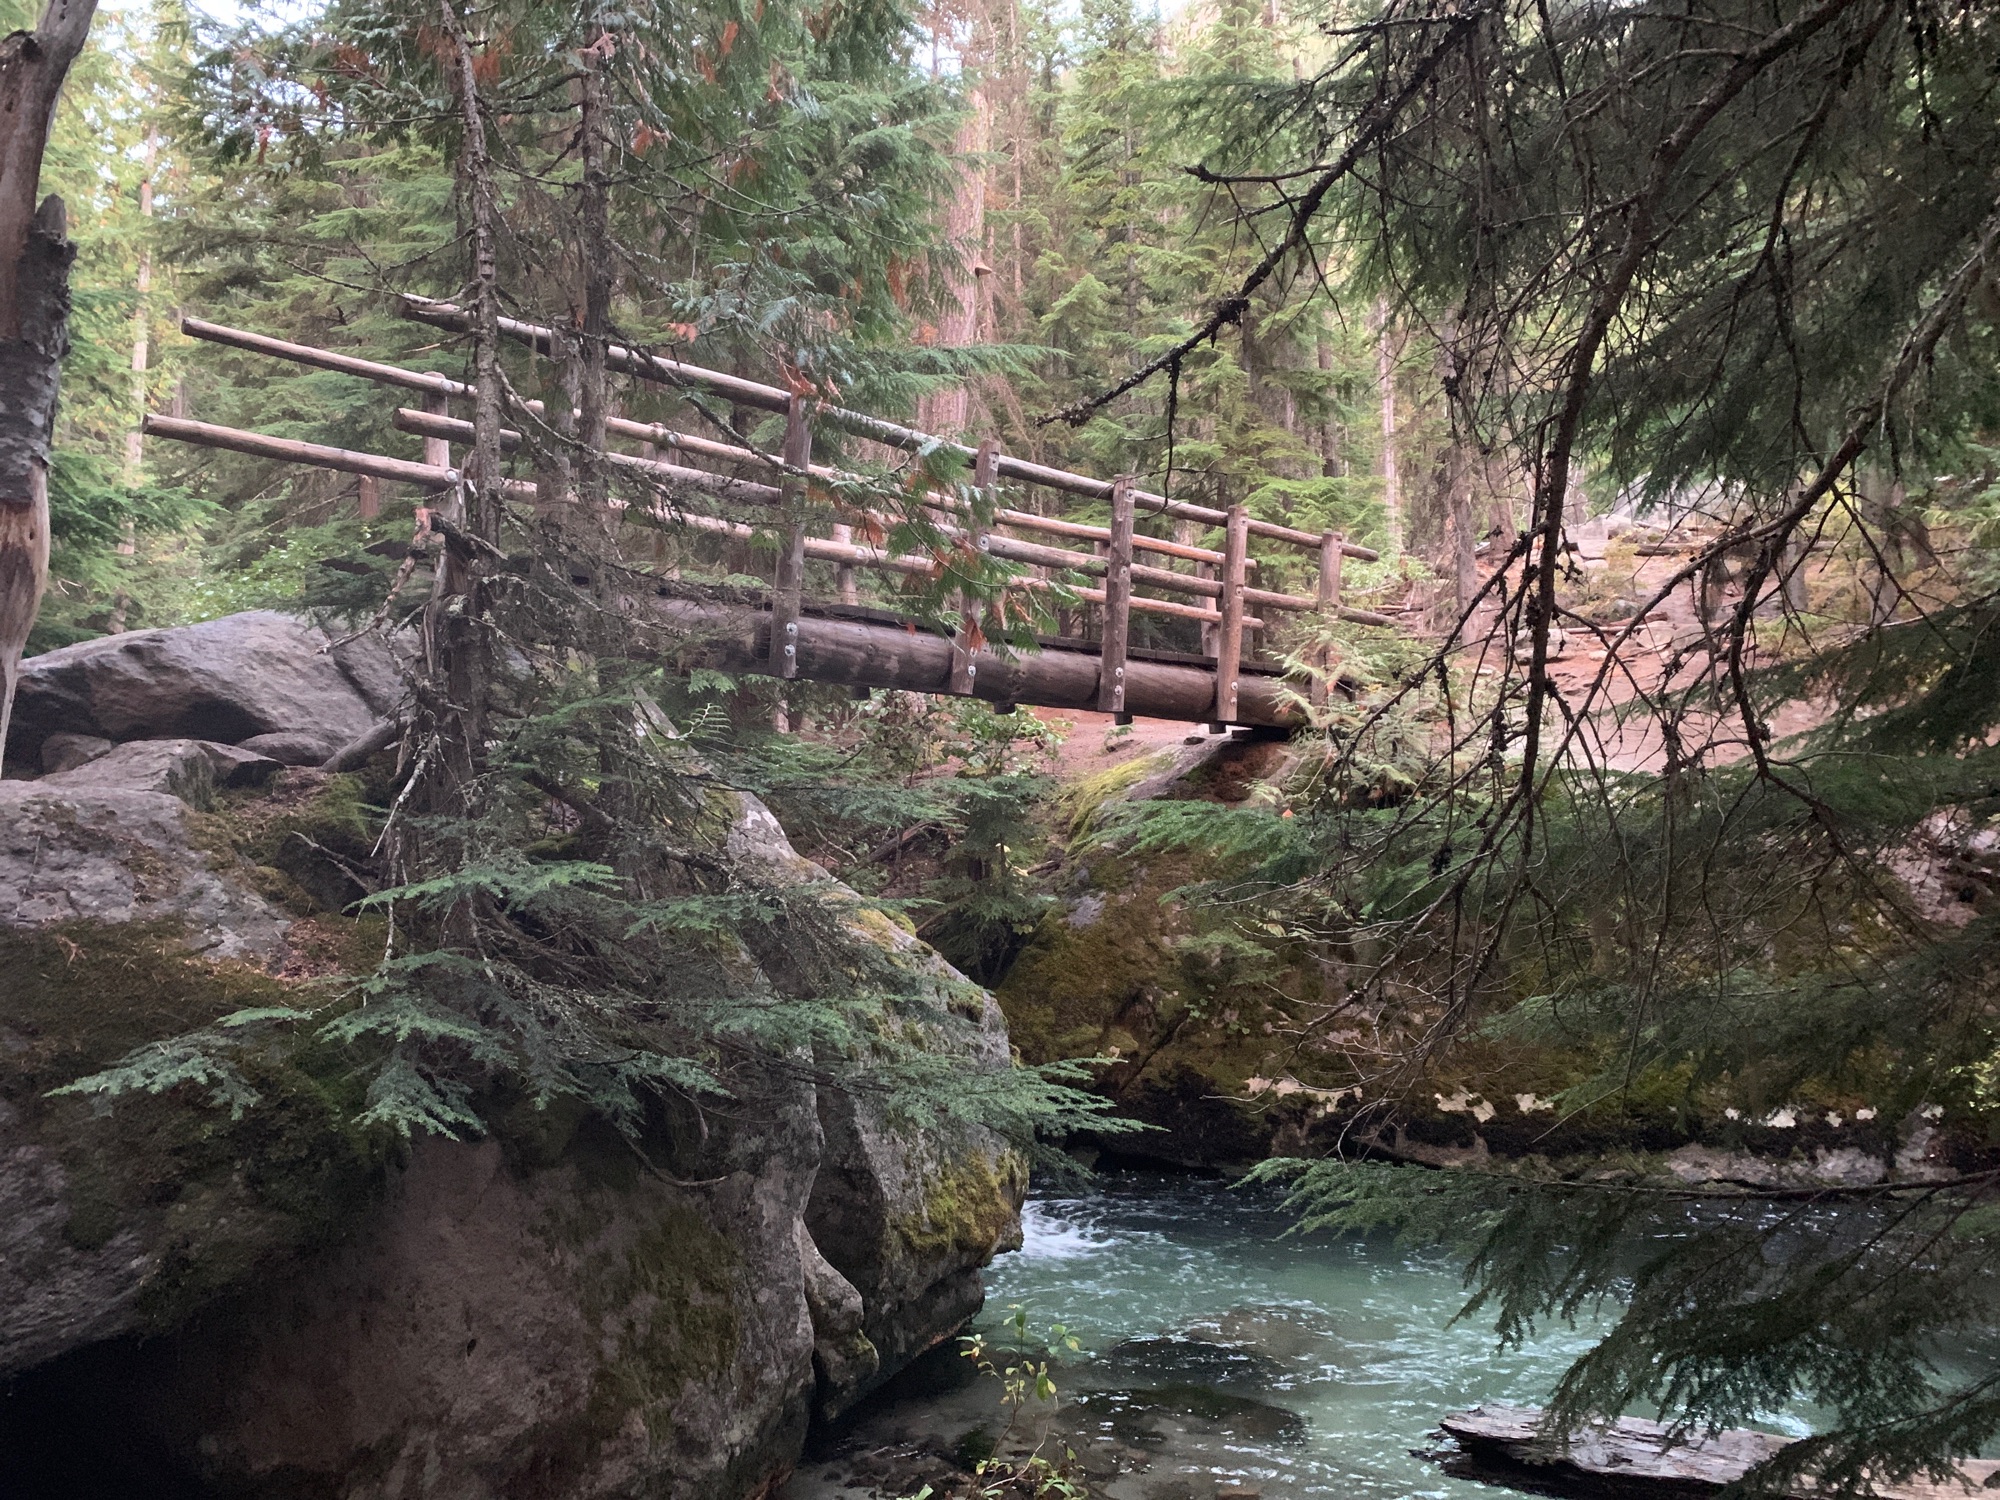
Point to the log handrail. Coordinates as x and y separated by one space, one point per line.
1222 581
1007 548
861 555
442 314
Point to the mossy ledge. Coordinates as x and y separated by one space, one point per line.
968 1207
211 1197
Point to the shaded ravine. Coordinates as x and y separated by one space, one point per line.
1217 1356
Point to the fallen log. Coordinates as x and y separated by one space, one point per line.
1633 1459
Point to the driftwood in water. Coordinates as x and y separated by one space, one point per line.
1635 1458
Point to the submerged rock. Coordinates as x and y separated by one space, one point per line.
1295 1339
1180 1359
1135 1416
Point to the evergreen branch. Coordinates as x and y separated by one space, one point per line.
1371 126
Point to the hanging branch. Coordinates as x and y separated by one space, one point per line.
595 221
1373 124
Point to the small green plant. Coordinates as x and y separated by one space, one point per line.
1025 1369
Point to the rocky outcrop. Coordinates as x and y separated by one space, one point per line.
543 1314
188 769
124 1221
91 854
904 1218
277 1303
228 680
908 1220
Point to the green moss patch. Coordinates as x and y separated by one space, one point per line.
305 843
668 1307
968 1207
216 1196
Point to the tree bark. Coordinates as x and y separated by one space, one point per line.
453 701
1392 479
594 397
1454 465
950 411
35 257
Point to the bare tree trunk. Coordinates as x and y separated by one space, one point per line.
1330 465
454 699
950 411
35 256
142 343
1392 479
142 349
598 271
476 169
1454 466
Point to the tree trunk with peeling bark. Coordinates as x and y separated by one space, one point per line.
35 257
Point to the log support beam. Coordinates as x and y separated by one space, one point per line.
864 654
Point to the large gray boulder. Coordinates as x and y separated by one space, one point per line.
188 769
509 1320
110 855
226 680
905 1217
274 1304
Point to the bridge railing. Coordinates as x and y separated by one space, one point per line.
1219 582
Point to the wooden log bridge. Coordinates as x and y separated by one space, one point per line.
1633 1459
790 635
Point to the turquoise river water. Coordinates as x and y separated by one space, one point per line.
1218 1359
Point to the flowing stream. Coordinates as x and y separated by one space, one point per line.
1218 1359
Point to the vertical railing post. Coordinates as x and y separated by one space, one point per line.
1208 628
788 579
965 645
437 452
846 588
368 496
1329 610
1117 632
1253 636
1229 636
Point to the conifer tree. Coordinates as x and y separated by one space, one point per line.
570 910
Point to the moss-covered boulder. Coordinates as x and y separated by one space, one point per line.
547 1312
108 855
129 1219
905 1212
275 1303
